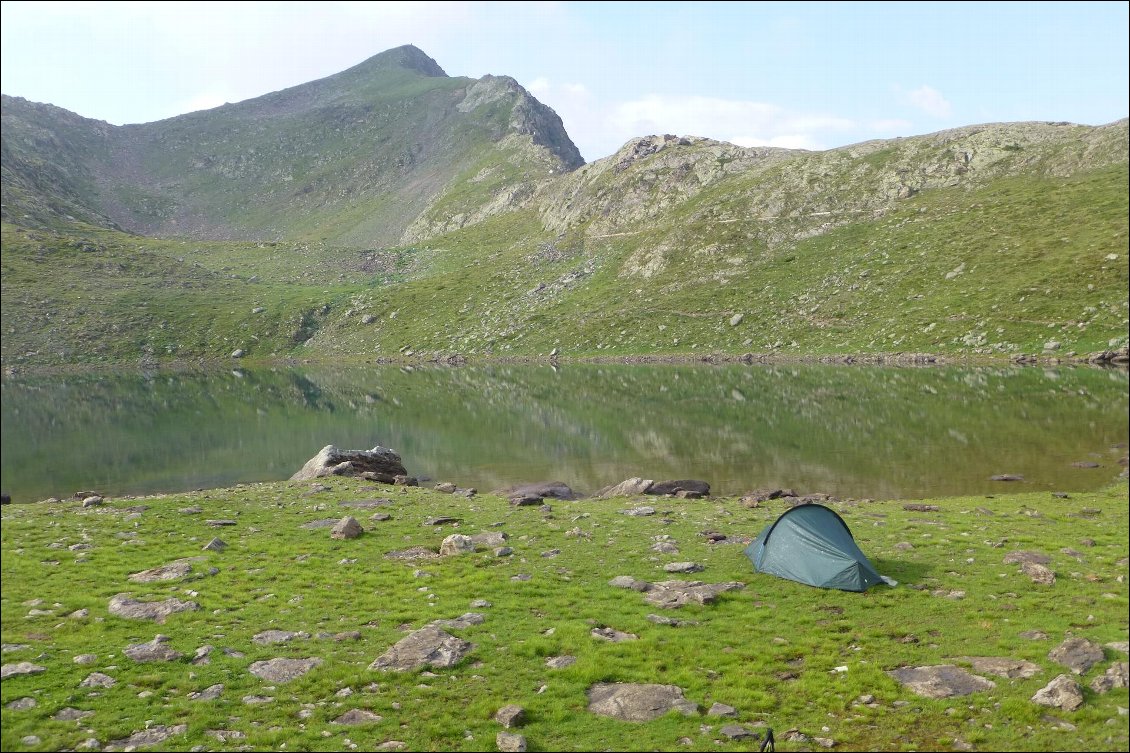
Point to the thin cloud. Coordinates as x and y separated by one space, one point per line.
930 101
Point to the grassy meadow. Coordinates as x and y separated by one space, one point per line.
771 650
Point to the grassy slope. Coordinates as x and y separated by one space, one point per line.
768 650
1033 257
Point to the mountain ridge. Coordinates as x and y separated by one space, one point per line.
401 212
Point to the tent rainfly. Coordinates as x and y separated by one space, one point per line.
811 544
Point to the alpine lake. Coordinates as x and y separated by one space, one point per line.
848 431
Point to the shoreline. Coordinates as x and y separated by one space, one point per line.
1119 360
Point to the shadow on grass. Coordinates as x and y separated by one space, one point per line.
905 571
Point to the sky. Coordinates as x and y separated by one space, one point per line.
808 75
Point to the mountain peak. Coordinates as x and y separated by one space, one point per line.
408 57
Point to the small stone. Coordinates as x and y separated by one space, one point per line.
346 528
560 662
84 659
721 709
355 717
510 716
683 567
21 704
736 732
215 545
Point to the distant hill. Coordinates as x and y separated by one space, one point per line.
390 209
353 158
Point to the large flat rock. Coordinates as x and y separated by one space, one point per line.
428 646
633 702
941 681
331 461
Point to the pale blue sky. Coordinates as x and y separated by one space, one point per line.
811 75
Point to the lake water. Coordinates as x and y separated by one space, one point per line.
848 431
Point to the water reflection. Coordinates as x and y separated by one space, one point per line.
876 432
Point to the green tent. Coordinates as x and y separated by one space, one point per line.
812 544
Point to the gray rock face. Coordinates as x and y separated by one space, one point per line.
660 488
210 693
1019 556
721 709
672 594
628 488
941 681
172 571
269 637
637 703
346 528
510 742
510 715
462 622
122 605
546 490
98 680
456 543
331 461
22 668
683 567
215 545
627 581
1077 654
154 650
428 646
1011 669
155 735
489 540
22 704
612 635
560 662
283 670
1061 693
1038 573
1115 677
357 717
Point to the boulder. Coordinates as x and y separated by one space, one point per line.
942 681
283 670
1011 669
546 490
627 488
510 716
346 528
633 702
1021 556
172 571
672 594
154 650
23 668
270 637
1077 654
331 461
1061 693
673 487
456 543
1038 573
1115 677
121 605
357 717
428 646
510 742
154 735
612 635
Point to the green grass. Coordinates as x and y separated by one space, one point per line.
768 650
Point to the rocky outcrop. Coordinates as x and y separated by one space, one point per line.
283 670
631 702
122 605
330 461
942 681
428 646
